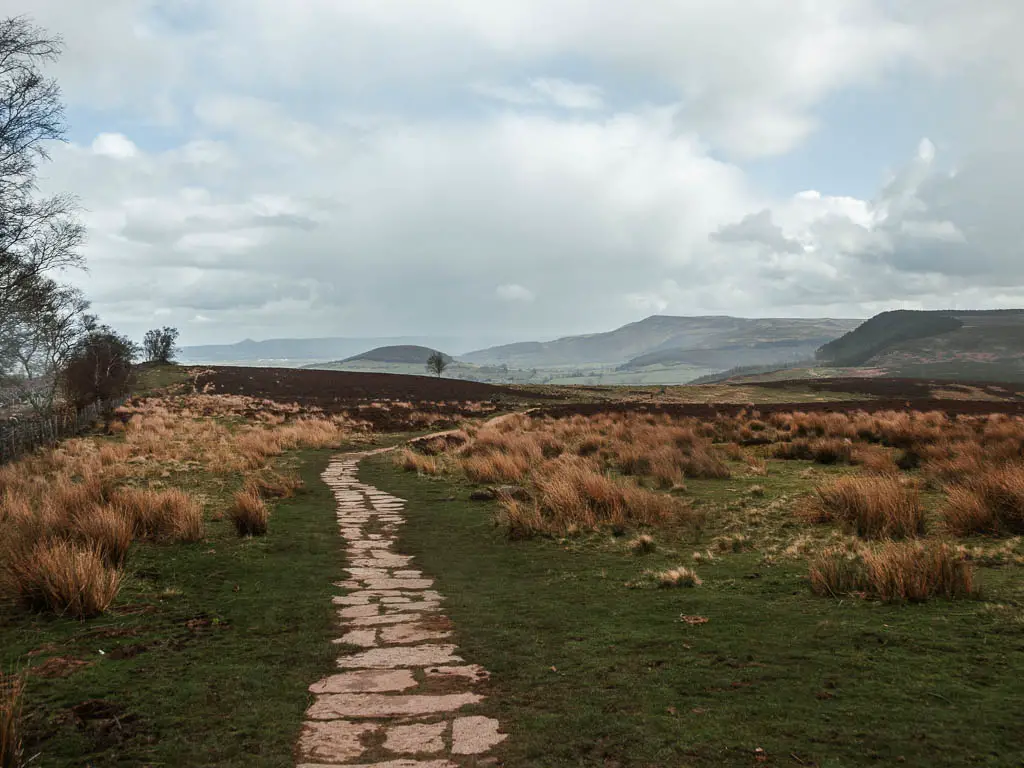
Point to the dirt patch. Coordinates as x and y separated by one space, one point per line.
58 666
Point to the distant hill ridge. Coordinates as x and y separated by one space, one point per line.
736 340
397 353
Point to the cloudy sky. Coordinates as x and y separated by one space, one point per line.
533 168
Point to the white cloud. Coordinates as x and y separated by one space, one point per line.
514 292
306 168
114 145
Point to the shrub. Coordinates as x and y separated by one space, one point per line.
249 514
874 507
62 577
12 688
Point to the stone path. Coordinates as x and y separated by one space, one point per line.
396 700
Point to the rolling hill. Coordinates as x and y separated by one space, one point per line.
399 353
975 346
663 340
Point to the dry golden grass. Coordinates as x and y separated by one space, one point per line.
108 530
676 577
991 502
894 572
63 577
273 485
495 468
874 507
161 515
411 461
12 689
643 544
249 513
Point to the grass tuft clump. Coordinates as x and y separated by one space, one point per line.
161 515
894 572
63 577
12 688
874 507
676 577
643 544
992 502
249 513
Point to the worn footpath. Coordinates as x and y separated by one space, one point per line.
397 700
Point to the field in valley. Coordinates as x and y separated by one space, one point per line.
800 573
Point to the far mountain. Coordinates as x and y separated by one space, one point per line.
716 342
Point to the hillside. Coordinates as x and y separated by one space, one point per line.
411 354
948 344
699 342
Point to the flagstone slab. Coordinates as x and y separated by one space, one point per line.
408 656
333 706
420 738
475 735
366 681
336 741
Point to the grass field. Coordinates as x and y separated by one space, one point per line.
205 656
592 665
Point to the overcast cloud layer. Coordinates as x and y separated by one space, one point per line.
530 169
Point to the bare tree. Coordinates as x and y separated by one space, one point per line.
158 346
38 341
437 363
38 235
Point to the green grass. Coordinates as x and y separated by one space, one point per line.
206 656
587 671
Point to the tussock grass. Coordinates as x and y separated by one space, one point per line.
63 577
874 507
170 515
894 572
675 577
992 502
273 485
12 688
643 544
249 513
411 461
109 531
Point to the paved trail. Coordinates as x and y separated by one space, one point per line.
396 699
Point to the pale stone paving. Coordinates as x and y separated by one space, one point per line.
396 701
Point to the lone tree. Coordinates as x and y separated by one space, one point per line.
99 367
39 318
437 363
158 345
